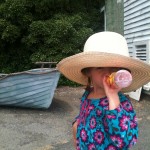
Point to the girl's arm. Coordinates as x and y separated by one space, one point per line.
120 119
74 130
121 124
77 118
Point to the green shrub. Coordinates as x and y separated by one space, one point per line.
44 30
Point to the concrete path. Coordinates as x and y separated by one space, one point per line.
29 129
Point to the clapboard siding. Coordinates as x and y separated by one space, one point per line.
136 29
138 13
128 5
136 22
136 19
132 2
135 9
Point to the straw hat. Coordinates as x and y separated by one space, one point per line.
105 49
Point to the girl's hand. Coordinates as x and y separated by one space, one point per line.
112 94
110 89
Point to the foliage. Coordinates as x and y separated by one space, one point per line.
44 30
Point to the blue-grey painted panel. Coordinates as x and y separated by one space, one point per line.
34 88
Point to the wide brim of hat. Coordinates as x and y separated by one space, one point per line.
71 67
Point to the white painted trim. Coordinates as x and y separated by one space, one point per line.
103 9
135 94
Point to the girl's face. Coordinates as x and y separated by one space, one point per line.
97 74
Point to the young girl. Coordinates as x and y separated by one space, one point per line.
106 120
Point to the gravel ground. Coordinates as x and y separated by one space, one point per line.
35 129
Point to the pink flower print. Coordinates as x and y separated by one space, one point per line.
91 147
98 112
133 142
104 102
111 147
99 137
83 135
127 106
83 111
135 119
92 122
133 124
124 122
111 116
84 105
105 124
118 141
77 145
90 108
119 108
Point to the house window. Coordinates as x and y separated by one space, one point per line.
141 50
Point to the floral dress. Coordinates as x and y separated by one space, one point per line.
102 129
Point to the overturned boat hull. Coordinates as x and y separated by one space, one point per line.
33 88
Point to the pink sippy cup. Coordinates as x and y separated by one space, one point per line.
121 79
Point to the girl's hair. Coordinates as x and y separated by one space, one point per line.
85 71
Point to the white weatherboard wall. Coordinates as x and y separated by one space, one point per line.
136 22
137 31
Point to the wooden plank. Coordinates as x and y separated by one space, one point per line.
138 29
137 14
137 24
45 63
136 19
135 4
137 39
136 9
138 34
128 2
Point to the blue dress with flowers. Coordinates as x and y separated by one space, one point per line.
102 129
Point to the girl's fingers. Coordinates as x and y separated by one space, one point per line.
104 79
108 86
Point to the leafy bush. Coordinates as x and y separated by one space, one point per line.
44 30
